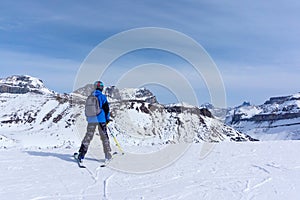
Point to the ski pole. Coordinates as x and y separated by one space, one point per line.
115 139
117 143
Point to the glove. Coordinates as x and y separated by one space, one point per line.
107 121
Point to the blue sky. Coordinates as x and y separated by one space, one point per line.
255 44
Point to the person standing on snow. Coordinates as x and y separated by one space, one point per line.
100 120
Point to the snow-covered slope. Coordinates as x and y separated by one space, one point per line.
277 118
156 123
37 119
232 171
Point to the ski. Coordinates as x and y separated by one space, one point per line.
105 164
108 161
78 162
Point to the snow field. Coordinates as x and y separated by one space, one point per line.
248 170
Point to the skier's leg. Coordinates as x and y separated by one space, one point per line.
87 139
105 140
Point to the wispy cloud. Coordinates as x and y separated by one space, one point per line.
57 74
50 37
258 83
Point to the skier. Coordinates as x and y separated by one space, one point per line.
100 120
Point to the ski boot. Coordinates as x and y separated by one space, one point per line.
108 156
79 157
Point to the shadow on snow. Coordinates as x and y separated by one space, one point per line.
64 157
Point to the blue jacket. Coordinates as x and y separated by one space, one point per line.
104 115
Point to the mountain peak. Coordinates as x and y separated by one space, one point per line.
21 84
116 94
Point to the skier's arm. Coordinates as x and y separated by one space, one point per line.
105 108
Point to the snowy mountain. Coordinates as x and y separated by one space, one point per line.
277 118
23 84
33 115
136 111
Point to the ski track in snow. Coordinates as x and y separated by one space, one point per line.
257 185
245 171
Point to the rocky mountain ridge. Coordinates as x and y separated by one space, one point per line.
58 119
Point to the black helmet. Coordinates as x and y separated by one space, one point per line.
98 85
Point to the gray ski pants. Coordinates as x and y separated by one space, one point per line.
91 127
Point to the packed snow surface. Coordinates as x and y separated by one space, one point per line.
246 170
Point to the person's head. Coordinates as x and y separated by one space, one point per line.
98 85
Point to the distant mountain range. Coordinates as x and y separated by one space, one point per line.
278 118
33 114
